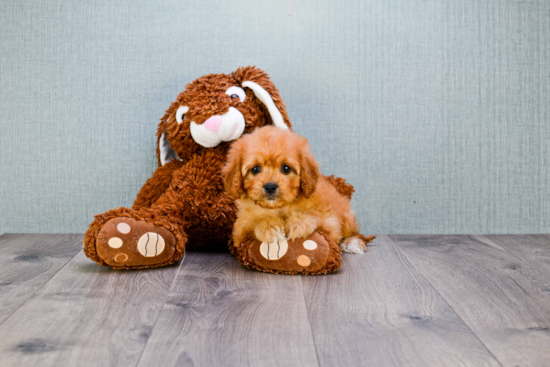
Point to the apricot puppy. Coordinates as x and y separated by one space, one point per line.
280 193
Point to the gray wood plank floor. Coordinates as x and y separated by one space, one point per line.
409 301
28 262
499 296
379 311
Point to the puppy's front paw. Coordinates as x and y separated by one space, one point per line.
353 245
266 233
300 228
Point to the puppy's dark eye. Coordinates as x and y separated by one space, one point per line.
256 169
233 96
285 169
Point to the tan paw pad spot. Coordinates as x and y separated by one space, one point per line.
303 260
115 242
123 228
310 245
151 244
274 250
120 258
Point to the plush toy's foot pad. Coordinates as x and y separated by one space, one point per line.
316 254
127 243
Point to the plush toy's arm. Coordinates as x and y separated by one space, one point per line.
156 185
341 185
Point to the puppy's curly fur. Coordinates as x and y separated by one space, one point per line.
280 193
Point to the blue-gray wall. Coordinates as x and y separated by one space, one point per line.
438 112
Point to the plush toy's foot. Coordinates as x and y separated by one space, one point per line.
121 241
316 254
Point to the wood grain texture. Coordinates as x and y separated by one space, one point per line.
28 262
221 314
86 315
418 301
500 296
533 249
379 311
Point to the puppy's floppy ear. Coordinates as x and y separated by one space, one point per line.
266 92
309 174
231 172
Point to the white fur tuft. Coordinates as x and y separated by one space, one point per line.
232 127
353 245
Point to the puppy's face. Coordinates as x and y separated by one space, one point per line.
272 180
272 167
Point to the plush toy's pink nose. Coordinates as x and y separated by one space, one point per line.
213 123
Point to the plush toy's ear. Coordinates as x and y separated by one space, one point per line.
266 92
266 99
231 172
164 152
309 174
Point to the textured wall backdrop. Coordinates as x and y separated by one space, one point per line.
437 111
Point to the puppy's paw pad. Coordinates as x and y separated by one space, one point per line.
353 245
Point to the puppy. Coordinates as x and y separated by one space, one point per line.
280 193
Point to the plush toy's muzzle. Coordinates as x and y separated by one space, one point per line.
218 128
230 125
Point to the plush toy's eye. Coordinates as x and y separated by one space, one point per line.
285 169
235 92
180 113
256 169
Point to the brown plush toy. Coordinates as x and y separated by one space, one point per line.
184 204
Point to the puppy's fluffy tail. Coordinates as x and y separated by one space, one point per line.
341 185
367 239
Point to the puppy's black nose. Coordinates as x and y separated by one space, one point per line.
270 188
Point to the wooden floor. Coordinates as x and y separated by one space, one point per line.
409 301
